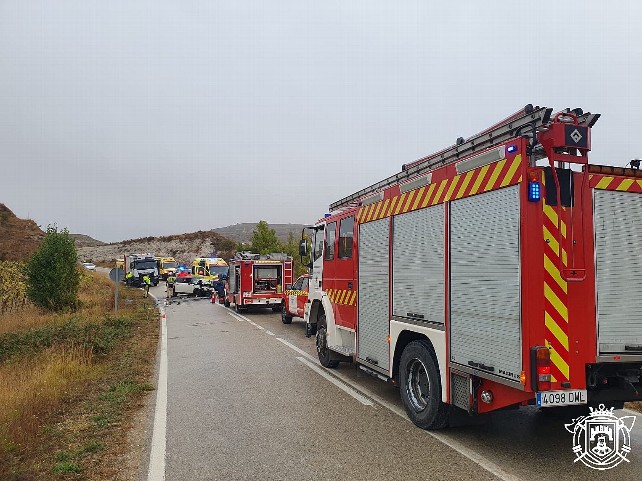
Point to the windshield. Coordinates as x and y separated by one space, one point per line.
170 265
218 270
140 265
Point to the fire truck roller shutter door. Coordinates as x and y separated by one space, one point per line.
485 318
373 305
418 265
618 232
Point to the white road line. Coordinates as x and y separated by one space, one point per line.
269 332
236 317
475 457
156 471
344 387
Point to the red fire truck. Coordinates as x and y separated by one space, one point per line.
501 271
295 298
258 281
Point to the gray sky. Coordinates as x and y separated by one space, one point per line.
274 109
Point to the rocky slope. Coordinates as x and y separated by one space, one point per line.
19 238
243 232
183 247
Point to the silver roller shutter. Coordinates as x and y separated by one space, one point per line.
618 266
374 321
485 321
418 264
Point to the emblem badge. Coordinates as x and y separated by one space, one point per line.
601 440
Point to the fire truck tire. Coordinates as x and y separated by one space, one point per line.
420 386
285 318
239 308
325 354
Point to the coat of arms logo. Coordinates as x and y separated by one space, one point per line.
601 440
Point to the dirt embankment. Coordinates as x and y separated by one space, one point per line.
183 247
19 238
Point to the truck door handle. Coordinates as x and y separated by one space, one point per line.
350 285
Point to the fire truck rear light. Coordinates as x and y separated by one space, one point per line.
534 191
541 368
522 378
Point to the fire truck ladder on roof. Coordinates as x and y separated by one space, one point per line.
525 122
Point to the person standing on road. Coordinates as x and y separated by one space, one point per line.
147 282
169 283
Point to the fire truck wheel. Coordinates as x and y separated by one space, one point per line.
325 354
239 308
285 318
420 387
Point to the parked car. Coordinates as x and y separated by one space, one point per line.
192 286
89 265
295 298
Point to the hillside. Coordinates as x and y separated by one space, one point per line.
19 238
83 240
243 232
183 247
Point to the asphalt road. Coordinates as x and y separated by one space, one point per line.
247 400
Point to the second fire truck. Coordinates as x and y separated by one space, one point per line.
258 280
501 271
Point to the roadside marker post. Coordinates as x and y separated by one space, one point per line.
117 275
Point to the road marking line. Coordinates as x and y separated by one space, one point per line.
269 332
473 456
156 471
236 317
345 388
300 351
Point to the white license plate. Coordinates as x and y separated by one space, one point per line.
561 398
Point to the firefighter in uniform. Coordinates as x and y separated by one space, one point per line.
171 279
147 282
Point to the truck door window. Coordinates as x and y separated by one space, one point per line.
346 235
330 237
304 285
318 244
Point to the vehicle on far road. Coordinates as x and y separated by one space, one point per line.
140 265
295 298
192 286
89 266
166 266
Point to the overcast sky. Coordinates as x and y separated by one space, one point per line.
121 119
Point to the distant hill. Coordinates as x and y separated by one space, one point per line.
183 247
243 232
83 240
19 238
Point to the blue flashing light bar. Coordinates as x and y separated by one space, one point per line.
534 191
511 148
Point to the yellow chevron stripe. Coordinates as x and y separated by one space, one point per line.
371 208
426 201
604 182
479 179
552 326
554 272
495 175
451 188
402 199
552 241
467 177
408 202
353 298
639 183
552 215
420 193
556 302
564 258
558 361
342 297
437 196
511 171
391 206
625 184
377 210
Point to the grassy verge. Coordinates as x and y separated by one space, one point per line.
70 384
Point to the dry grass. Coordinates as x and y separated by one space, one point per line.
69 383
35 387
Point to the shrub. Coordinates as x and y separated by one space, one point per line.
52 272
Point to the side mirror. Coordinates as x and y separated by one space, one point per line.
303 248
288 287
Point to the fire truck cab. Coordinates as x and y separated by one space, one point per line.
494 273
258 280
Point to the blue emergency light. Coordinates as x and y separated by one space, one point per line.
534 191
511 148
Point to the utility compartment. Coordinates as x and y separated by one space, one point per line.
485 321
618 270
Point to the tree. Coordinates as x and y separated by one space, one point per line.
264 240
52 272
291 248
